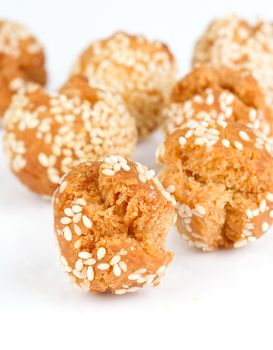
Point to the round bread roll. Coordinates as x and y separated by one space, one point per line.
221 175
111 219
45 134
142 71
218 94
234 43
21 59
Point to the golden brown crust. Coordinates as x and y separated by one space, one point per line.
45 134
221 176
142 71
221 94
111 219
234 43
22 59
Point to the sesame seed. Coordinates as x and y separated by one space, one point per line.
123 266
43 160
68 212
132 289
103 266
240 243
269 197
265 226
182 140
78 243
141 271
271 214
76 209
67 233
161 270
77 218
108 172
201 210
170 189
79 265
120 291
238 145
84 255
133 276
90 262
77 230
117 270
65 220
90 273
87 222
244 136
115 260
262 206
101 253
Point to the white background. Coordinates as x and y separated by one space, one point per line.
220 300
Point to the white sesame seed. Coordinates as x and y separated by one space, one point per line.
78 243
117 270
115 260
77 230
101 253
90 273
77 218
120 291
182 140
170 189
108 172
68 212
123 266
161 270
240 243
271 214
262 206
132 289
79 265
238 145
103 266
269 197
265 226
87 222
142 178
43 159
67 233
76 208
141 271
200 209
90 261
244 136
65 220
80 201
256 212
133 276
84 255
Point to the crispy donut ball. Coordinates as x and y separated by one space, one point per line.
218 94
21 59
44 134
221 175
111 219
142 71
233 42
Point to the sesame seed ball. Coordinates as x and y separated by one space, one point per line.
45 134
111 218
233 42
221 175
21 59
218 94
142 71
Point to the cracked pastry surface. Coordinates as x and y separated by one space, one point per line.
218 94
221 175
22 59
45 134
111 218
235 43
142 71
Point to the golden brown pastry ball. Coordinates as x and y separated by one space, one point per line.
218 94
45 134
233 42
111 219
221 175
21 59
142 71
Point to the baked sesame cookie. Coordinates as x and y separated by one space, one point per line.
111 219
21 59
45 134
142 71
218 94
221 175
233 42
